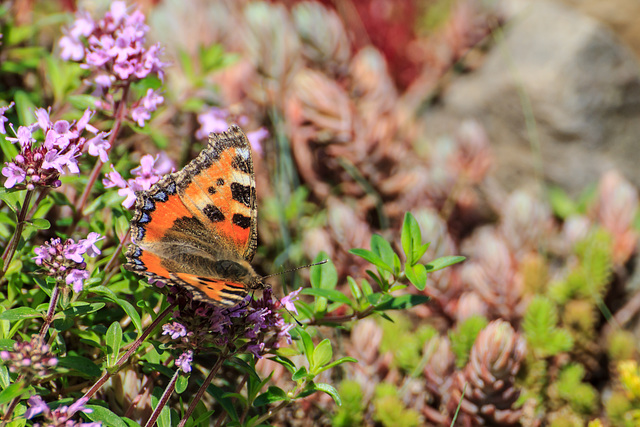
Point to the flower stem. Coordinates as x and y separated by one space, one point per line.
129 352
203 388
10 250
163 400
12 405
117 124
107 269
50 312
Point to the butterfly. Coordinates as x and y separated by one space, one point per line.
196 228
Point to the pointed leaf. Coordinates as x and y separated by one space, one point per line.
417 275
384 250
322 355
330 294
443 262
20 313
324 276
403 302
273 394
372 258
113 341
330 390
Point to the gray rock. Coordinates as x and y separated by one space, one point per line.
571 77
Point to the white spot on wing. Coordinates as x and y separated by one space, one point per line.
244 153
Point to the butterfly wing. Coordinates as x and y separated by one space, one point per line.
189 220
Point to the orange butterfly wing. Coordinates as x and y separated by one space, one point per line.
190 225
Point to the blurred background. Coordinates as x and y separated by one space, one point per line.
508 128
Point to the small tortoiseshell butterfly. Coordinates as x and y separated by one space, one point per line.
197 228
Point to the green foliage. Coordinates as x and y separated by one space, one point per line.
351 413
464 336
590 277
389 410
621 345
581 396
541 331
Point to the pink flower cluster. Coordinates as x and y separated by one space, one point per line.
65 261
42 164
217 120
61 416
113 48
148 173
31 358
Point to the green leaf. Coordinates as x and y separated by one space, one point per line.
383 248
372 258
113 341
82 101
354 288
40 224
80 364
443 262
330 294
402 302
330 390
12 392
321 355
307 343
338 362
539 326
288 364
24 107
125 305
300 374
20 313
411 239
273 394
104 415
324 276
417 275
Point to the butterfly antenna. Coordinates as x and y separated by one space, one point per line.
289 271
297 268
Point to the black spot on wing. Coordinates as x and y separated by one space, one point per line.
240 163
213 213
211 190
220 182
241 221
241 193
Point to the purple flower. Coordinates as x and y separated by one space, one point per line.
90 244
74 252
76 278
36 407
30 358
256 349
112 46
256 137
144 107
14 174
42 164
64 261
184 361
72 48
288 300
3 119
148 173
175 330
212 120
99 146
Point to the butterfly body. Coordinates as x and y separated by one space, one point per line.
197 228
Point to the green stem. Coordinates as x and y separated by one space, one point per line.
50 312
10 251
203 388
107 374
163 400
117 125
